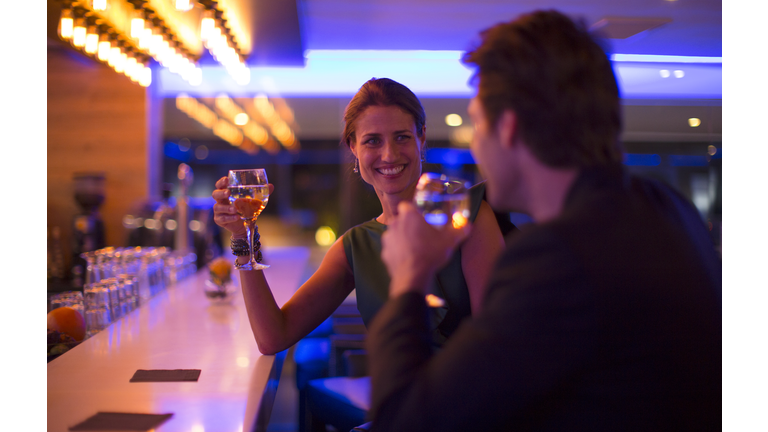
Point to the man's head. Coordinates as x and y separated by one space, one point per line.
559 83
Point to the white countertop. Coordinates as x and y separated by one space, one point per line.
178 329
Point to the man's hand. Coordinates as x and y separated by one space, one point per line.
414 251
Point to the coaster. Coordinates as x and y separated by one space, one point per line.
165 375
112 421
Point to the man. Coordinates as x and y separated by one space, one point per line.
605 314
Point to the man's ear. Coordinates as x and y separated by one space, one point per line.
506 128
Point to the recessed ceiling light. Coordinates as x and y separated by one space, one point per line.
664 73
694 122
679 74
453 120
711 150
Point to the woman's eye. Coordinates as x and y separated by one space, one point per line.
403 137
372 141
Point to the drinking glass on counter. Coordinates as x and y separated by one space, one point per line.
249 192
443 200
72 299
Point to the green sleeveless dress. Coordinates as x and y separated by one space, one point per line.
362 245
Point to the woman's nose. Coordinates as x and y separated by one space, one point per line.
389 152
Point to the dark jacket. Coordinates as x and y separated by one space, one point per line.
607 318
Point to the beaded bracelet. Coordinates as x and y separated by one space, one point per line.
240 247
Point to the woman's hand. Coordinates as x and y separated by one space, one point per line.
224 213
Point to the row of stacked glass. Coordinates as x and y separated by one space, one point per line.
118 280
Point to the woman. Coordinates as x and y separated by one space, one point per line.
385 130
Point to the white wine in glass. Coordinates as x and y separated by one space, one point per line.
249 192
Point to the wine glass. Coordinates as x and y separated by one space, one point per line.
443 200
249 192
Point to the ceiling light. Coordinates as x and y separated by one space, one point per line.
183 5
137 25
114 54
66 24
78 33
130 68
207 25
145 76
453 120
664 73
694 122
679 74
241 119
91 40
711 150
99 5
104 47
145 38
120 61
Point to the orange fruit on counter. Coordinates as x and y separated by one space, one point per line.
67 320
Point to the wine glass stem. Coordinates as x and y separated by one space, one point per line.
252 231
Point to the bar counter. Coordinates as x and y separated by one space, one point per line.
179 328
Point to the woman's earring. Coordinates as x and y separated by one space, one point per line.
357 166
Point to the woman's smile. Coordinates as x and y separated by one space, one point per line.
391 170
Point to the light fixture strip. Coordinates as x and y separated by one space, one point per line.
78 25
218 39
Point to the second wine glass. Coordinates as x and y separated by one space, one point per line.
249 192
443 200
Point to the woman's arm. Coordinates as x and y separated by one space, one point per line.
276 329
479 253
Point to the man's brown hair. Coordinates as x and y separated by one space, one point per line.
559 82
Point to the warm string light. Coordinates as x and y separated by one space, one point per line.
279 128
99 5
137 24
91 40
183 5
149 39
79 33
218 40
66 24
105 46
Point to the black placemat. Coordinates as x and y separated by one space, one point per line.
114 421
165 375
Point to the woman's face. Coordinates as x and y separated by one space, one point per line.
388 150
